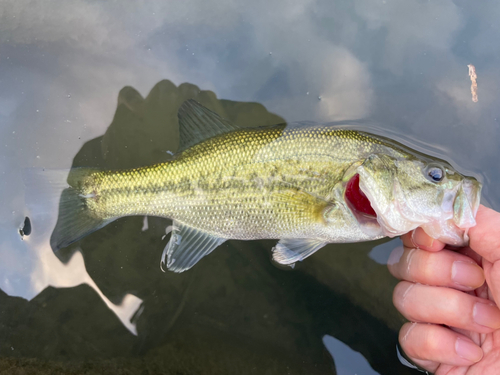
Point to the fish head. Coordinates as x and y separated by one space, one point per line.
410 192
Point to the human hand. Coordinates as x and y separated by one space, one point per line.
455 321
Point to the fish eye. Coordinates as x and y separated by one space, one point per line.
435 174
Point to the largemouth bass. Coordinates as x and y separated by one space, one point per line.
305 185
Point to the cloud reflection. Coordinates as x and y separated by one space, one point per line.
47 269
51 272
62 63
347 361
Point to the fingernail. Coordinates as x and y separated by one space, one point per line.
486 315
468 350
466 274
420 238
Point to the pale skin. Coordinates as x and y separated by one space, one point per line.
450 296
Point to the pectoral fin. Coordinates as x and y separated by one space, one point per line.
302 204
288 251
186 247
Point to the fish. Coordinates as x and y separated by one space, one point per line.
305 185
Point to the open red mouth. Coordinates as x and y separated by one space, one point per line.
356 198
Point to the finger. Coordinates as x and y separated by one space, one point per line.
474 336
492 272
422 364
429 344
443 268
418 238
467 251
438 305
484 237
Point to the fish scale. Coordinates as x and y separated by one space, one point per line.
235 180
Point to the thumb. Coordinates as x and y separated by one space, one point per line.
492 275
485 236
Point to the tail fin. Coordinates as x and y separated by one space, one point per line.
74 219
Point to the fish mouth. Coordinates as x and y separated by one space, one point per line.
450 226
361 208
462 215
466 203
356 200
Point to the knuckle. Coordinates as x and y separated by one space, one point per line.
421 266
407 239
426 269
433 342
402 298
454 301
455 312
407 340
422 341
410 270
431 268
396 263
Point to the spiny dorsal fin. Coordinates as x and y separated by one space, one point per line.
197 123
186 247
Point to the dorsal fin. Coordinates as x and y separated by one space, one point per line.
197 123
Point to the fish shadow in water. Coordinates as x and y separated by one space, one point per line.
235 294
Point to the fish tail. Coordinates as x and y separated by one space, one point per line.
49 197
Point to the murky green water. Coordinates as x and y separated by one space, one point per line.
86 83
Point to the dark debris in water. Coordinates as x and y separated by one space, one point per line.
25 229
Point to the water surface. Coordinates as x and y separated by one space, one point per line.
89 83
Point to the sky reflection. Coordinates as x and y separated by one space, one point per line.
402 64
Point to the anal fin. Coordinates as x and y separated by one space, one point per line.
290 250
186 247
